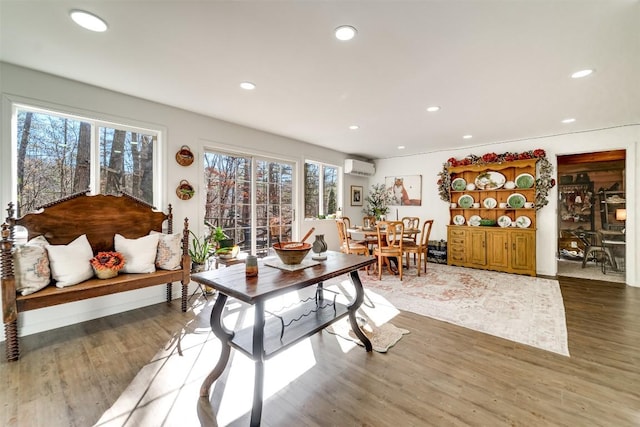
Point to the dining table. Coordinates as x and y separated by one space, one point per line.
356 232
372 232
271 334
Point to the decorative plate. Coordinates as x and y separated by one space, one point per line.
465 201
475 220
490 180
525 180
490 203
516 200
504 221
458 220
459 184
523 222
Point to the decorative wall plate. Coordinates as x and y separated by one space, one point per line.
490 180
504 221
525 180
465 201
516 200
475 220
523 221
490 203
458 220
458 184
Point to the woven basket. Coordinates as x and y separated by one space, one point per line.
105 273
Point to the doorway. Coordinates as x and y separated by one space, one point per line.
591 216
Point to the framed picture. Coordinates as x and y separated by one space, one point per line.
356 195
405 190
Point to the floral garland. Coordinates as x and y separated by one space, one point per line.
544 183
108 260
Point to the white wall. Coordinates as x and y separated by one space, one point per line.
182 128
197 131
429 164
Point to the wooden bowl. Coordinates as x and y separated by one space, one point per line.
292 252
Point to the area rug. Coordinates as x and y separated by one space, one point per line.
527 310
382 337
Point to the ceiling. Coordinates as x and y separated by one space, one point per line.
500 70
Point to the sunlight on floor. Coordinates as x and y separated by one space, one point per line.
171 380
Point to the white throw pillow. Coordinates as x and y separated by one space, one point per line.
169 256
70 264
31 263
139 254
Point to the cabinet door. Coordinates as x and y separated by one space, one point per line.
498 249
523 251
477 253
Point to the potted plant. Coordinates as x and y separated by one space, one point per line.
107 264
377 200
218 237
200 251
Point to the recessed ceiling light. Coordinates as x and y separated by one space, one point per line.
467 136
354 127
433 109
401 147
345 32
88 21
569 120
247 86
581 73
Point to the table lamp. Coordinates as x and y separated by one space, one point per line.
621 215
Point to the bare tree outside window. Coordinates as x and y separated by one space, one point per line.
320 189
54 159
229 200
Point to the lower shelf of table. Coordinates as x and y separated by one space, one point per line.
298 330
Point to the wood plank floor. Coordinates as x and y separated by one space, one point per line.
439 374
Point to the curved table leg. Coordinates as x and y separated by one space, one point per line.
225 337
353 308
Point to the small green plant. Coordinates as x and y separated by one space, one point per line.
201 249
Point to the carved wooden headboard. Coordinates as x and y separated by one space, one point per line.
100 217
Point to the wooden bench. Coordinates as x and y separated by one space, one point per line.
100 217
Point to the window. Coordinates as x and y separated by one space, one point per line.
58 155
320 189
249 196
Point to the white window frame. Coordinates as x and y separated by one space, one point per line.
159 197
340 176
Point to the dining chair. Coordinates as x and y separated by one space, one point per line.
346 245
410 223
371 220
419 248
347 222
389 244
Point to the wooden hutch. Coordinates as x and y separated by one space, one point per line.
497 231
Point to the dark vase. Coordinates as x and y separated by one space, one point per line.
319 247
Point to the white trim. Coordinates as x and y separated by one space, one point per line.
15 103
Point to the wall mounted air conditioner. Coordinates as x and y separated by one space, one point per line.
358 167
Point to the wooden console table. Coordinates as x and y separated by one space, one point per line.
266 338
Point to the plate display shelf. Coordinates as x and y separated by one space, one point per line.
495 247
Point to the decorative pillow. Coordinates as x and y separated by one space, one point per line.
70 263
31 263
169 256
139 254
